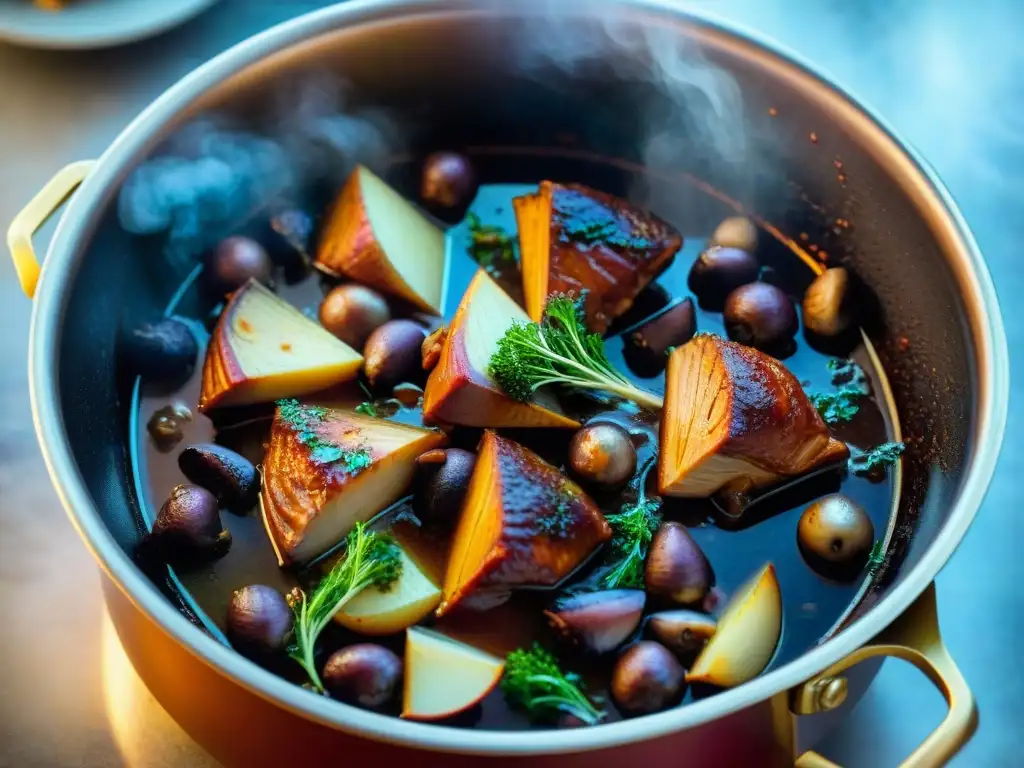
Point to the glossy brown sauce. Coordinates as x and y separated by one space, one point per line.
812 604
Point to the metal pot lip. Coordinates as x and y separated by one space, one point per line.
917 179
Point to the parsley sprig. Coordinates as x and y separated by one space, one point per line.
559 350
533 682
633 529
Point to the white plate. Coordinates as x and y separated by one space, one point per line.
92 23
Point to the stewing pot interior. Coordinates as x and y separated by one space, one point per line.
531 97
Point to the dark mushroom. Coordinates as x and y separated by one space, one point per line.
676 568
291 232
234 262
259 621
835 531
735 232
718 271
163 352
167 425
829 308
647 678
392 353
598 622
187 529
682 632
646 349
228 475
364 674
448 184
603 453
760 315
444 480
352 312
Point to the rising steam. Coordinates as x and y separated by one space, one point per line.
213 176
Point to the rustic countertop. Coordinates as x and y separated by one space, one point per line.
947 75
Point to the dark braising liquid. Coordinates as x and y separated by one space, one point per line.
812 604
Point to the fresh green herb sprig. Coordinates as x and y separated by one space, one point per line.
306 421
633 529
875 459
367 408
371 559
490 245
851 386
533 682
560 350
876 558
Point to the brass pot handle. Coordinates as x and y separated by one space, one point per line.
39 209
913 637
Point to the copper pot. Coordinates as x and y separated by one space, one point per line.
532 90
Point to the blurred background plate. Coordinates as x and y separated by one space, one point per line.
92 23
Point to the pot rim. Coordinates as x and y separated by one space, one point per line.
910 171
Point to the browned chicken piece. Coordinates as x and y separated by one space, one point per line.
327 469
736 419
574 238
523 523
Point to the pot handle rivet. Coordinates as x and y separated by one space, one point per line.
39 209
913 637
831 693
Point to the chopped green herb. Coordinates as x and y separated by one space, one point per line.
587 221
559 350
874 459
633 528
533 682
367 409
370 559
489 245
305 421
876 558
844 403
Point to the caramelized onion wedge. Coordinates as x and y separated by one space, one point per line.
747 634
264 349
523 524
374 236
444 676
577 239
327 469
736 417
460 390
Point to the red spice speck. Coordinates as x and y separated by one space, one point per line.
902 343
244 326
837 163
803 236
812 248
841 178
814 137
773 111
822 255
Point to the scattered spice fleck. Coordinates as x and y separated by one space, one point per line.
902 343
286 347
244 325
804 236
841 178
814 137
837 163
773 111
